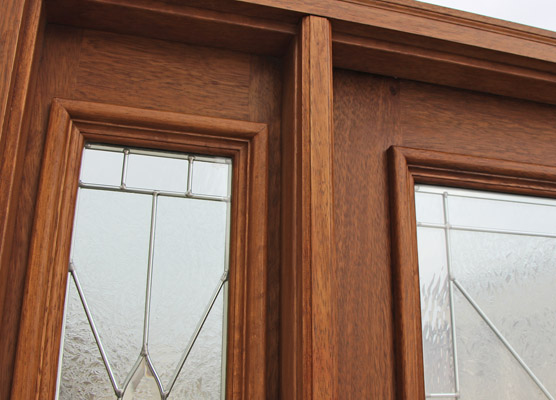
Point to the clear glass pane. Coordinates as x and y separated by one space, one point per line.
506 212
435 312
201 377
110 253
142 384
157 173
189 262
80 349
102 167
428 207
210 178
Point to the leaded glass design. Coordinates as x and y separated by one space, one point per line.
487 270
145 314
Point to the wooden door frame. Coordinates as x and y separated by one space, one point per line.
408 167
72 123
393 38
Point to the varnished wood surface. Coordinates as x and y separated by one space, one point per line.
71 124
236 30
209 82
366 122
371 114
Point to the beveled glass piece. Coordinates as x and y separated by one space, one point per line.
102 167
142 384
157 173
210 178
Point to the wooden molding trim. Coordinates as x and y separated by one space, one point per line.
309 369
72 123
408 167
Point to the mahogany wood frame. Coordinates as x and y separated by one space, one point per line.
73 123
407 168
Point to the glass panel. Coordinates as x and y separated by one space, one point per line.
537 13
157 173
512 278
80 349
102 167
200 378
428 206
210 178
189 262
110 253
488 370
149 268
435 311
503 285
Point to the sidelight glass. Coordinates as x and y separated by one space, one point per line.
145 314
487 273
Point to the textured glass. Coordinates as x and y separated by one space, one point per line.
83 375
513 279
210 178
487 369
200 378
110 253
102 167
435 311
151 272
157 173
189 262
503 287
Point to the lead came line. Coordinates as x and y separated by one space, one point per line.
451 290
92 324
502 339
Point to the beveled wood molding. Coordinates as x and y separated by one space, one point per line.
72 123
309 323
408 167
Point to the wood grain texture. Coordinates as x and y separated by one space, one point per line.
21 26
71 124
147 73
177 21
310 317
54 77
411 166
366 123
265 95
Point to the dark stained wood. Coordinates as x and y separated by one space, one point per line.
366 123
411 166
309 347
265 94
72 123
167 20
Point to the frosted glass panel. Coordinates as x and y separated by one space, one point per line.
99 166
110 252
210 178
490 267
157 173
147 286
435 311
189 260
